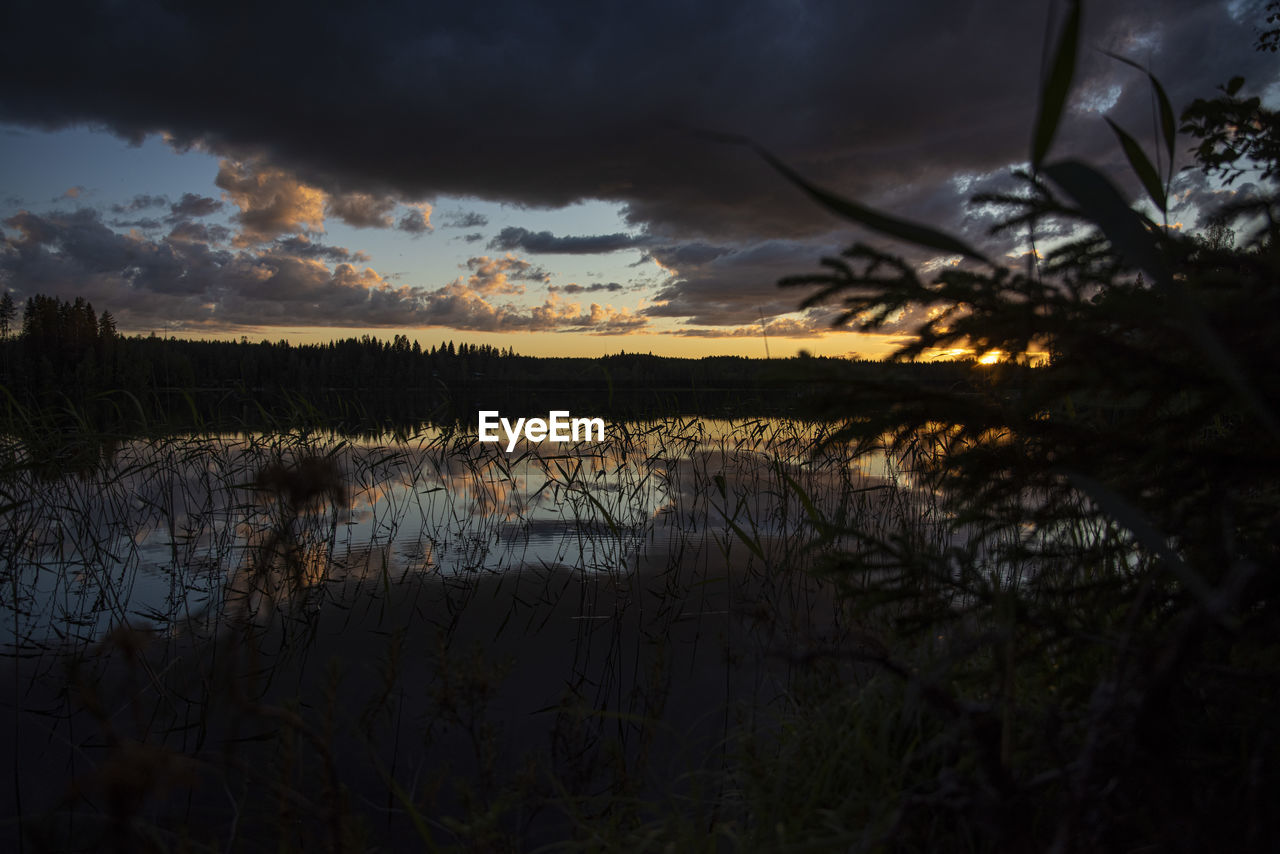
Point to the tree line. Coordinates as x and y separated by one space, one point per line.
64 351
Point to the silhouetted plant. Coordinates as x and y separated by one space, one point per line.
1098 632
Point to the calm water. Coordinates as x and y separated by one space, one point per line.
167 531
504 640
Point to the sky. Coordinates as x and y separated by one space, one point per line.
537 175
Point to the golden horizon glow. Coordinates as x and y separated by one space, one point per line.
545 344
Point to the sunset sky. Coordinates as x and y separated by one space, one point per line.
525 175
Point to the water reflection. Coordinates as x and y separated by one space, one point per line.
165 531
457 614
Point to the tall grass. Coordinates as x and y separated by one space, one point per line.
649 595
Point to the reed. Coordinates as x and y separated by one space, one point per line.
222 577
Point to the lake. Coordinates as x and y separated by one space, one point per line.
417 637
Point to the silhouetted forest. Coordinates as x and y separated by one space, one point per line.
64 352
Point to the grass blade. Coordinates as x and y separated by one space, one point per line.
1131 518
1142 167
1102 204
1053 98
862 215
1168 128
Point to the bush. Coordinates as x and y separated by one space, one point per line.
1096 629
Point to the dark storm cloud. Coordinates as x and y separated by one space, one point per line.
546 243
736 286
911 107
870 98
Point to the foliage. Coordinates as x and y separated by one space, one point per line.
1098 631
1235 134
1270 39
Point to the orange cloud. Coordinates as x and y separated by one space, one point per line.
271 201
495 275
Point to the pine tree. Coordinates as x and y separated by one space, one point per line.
106 326
8 311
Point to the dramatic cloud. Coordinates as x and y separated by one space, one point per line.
185 280
459 307
736 286
910 107
271 201
301 247
501 275
878 100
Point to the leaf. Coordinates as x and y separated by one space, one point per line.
1167 124
815 515
752 543
1147 535
608 517
1053 98
902 229
1233 85
1102 204
848 209
1142 167
1168 127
